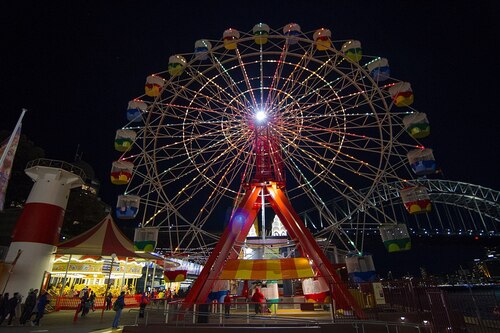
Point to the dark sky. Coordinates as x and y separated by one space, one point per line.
75 65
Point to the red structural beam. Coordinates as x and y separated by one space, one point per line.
230 243
291 221
241 220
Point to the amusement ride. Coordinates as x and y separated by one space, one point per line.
272 121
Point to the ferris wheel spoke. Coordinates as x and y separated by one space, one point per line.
212 202
339 185
312 145
323 209
295 84
344 82
216 93
290 81
245 78
325 175
224 73
275 77
195 185
315 81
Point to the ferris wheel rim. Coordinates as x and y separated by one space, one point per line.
154 172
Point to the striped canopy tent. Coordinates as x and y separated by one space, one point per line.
267 269
103 239
177 275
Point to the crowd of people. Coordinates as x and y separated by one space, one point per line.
16 312
19 313
87 302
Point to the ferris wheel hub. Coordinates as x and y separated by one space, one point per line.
261 116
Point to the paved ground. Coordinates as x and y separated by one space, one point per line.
62 322
288 320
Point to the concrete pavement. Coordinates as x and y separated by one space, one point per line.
62 322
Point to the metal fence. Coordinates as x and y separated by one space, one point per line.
214 315
452 310
428 308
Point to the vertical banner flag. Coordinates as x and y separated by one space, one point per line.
7 152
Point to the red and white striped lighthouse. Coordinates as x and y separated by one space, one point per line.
38 228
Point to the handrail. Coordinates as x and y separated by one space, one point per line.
270 321
57 164
190 317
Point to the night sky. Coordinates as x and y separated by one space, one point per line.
75 65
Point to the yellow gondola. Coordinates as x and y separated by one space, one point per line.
322 39
352 50
417 125
121 172
401 94
124 139
231 37
153 86
176 65
260 33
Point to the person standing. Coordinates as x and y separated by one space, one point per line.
85 304
29 305
4 307
258 299
142 306
92 300
13 302
227 304
118 307
40 307
109 300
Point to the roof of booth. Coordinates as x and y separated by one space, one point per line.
103 239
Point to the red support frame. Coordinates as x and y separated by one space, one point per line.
229 246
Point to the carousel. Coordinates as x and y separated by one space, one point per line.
101 259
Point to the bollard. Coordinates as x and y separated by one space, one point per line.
194 313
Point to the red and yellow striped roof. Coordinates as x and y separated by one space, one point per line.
267 269
104 239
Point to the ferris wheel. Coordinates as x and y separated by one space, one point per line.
337 118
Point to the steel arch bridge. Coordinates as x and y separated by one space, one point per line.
458 208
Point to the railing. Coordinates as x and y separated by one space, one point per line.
57 164
215 315
72 303
405 304
236 312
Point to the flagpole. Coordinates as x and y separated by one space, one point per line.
9 143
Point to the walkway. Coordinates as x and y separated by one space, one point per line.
62 322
